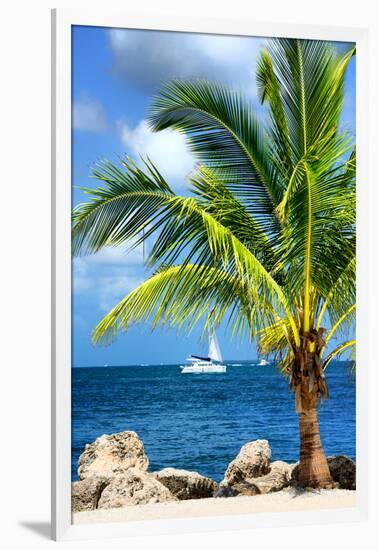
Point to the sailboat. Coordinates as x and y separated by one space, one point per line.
205 365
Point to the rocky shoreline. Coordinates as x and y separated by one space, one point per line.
113 473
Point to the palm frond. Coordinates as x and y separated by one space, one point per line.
224 135
224 206
180 296
270 91
311 76
274 341
350 345
342 325
341 294
185 231
119 210
315 209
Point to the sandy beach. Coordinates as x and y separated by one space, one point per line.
288 500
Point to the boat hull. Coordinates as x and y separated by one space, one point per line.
203 369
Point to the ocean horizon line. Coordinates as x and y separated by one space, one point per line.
228 362
161 364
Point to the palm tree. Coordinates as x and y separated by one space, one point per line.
266 239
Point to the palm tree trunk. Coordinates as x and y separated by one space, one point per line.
313 467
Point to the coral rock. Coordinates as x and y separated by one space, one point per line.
86 494
112 454
252 461
186 485
131 488
343 471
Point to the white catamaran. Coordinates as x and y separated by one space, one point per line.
209 364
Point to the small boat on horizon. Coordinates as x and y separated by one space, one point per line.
206 365
263 363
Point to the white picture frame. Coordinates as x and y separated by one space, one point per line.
62 22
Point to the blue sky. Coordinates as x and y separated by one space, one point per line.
115 73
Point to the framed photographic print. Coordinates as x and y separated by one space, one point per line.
210 218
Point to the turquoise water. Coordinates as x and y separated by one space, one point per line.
199 422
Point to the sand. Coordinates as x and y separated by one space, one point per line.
288 500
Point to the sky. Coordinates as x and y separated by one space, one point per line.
115 74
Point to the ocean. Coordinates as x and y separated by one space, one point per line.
199 422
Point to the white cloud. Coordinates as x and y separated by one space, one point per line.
148 58
226 48
167 149
80 279
108 275
117 256
111 289
89 115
